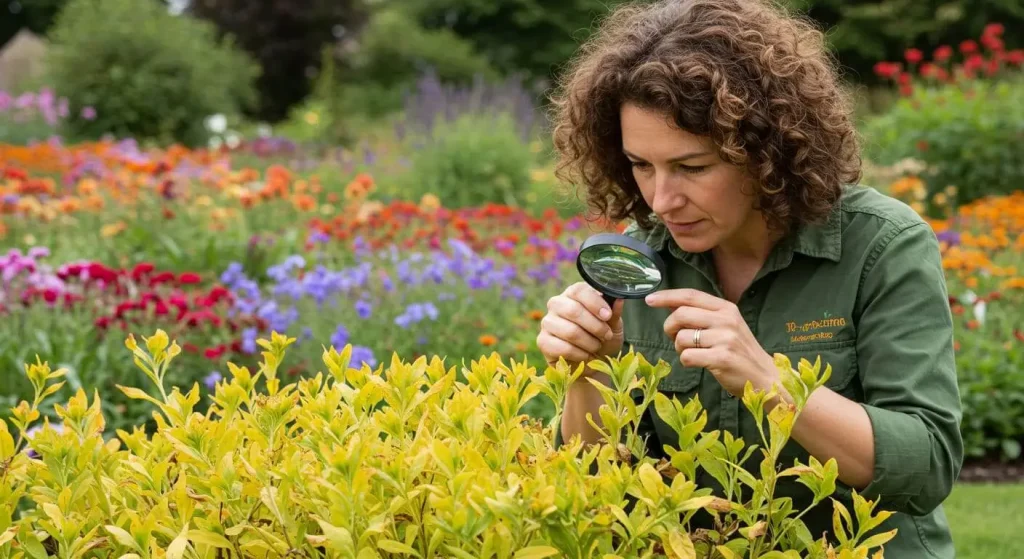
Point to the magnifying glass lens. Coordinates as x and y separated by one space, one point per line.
620 267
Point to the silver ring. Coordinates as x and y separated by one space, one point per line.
696 337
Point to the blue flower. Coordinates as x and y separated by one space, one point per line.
361 355
340 337
212 379
363 309
249 340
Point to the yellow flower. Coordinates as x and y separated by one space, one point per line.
327 209
538 175
312 118
940 199
111 229
204 201
30 239
430 202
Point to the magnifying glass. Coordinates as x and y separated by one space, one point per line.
620 267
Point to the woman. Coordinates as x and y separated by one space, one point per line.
720 129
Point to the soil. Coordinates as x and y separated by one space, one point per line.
992 471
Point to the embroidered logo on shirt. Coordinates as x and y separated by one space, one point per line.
821 329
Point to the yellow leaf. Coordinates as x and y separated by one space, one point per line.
726 552
122 537
177 548
206 537
53 511
136 394
397 547
536 552
679 546
877 539
8 536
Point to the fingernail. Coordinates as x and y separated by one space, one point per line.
605 314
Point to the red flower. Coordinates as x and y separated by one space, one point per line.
160 308
141 269
887 69
943 53
189 278
100 272
906 90
1015 57
50 295
913 56
1018 334
968 47
162 277
212 353
992 30
102 322
190 347
992 43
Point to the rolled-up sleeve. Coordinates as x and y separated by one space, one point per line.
908 372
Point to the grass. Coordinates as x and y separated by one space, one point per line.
987 520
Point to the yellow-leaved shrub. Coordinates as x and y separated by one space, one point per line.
407 460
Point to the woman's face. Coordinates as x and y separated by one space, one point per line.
704 201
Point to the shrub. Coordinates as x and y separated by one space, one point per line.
150 75
967 128
470 161
396 461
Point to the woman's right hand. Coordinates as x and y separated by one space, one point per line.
580 326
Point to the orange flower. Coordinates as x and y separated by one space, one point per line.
522 348
112 229
972 282
536 315
303 202
488 340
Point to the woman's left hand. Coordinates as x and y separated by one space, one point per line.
727 348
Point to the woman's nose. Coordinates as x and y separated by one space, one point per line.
666 195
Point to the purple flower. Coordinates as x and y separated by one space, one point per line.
361 355
363 309
387 283
319 237
212 379
950 237
340 337
249 340
88 113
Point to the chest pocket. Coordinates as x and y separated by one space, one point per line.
683 382
840 355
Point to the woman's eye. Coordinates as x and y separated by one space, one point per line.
692 169
639 164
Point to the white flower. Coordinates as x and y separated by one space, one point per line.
264 131
979 312
216 142
217 123
232 140
970 297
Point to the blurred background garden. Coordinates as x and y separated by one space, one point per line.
378 173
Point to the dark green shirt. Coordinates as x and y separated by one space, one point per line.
866 292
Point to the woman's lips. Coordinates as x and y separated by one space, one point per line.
683 227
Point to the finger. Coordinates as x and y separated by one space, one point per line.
552 348
615 322
698 357
689 317
591 299
685 339
575 312
571 332
685 298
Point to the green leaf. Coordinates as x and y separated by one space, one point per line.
536 552
176 550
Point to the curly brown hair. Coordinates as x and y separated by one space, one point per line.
756 80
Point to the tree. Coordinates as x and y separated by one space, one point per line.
286 37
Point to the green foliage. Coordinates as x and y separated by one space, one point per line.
969 136
991 379
472 160
394 50
529 37
408 459
149 74
286 38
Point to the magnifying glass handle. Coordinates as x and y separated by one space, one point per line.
609 299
